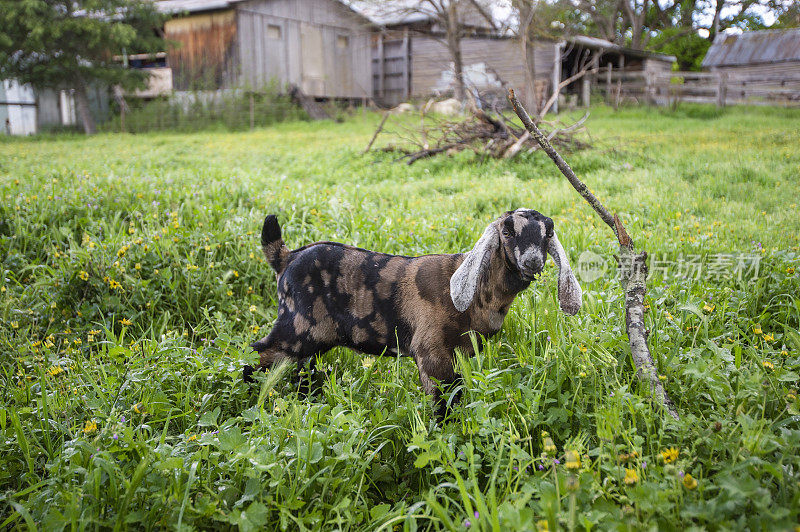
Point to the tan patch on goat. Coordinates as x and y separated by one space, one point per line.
325 328
362 304
301 324
359 335
389 274
379 325
326 277
289 301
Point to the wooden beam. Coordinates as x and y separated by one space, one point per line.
556 75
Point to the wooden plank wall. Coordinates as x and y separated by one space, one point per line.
205 53
274 34
720 88
430 58
391 67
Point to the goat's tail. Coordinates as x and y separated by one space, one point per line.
272 245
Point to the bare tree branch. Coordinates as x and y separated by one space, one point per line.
632 267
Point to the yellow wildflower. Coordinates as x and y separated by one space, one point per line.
768 365
367 362
542 526
790 271
669 455
583 348
229 292
138 266
90 427
784 353
572 460
768 338
83 275
757 330
549 445
668 316
15 324
708 308
689 482
193 437
138 408
631 476
253 308
55 370
126 322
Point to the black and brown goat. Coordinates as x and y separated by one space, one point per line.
331 294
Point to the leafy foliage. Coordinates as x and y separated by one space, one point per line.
132 284
72 44
686 45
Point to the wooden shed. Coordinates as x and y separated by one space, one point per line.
761 54
410 60
320 46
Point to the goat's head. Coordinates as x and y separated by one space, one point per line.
523 237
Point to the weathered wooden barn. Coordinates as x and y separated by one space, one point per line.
767 53
320 46
410 60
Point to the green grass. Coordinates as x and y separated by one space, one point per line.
132 284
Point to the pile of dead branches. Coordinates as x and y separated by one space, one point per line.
488 134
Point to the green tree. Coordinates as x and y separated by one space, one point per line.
685 44
71 44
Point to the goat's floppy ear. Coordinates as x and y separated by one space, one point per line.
464 282
569 291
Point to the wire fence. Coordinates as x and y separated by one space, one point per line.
196 110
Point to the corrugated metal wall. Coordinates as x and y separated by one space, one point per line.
319 45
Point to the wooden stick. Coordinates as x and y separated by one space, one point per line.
562 165
377 132
632 267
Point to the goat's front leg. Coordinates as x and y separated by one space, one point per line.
438 376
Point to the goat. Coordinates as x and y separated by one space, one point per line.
332 294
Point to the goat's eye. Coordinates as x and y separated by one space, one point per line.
550 233
506 232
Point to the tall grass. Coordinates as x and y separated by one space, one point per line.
132 284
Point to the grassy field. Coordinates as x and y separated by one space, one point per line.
132 284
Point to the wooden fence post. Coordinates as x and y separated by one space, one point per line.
608 84
722 89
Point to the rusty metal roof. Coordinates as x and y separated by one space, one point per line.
754 47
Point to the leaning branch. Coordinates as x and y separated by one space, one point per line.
632 266
562 165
